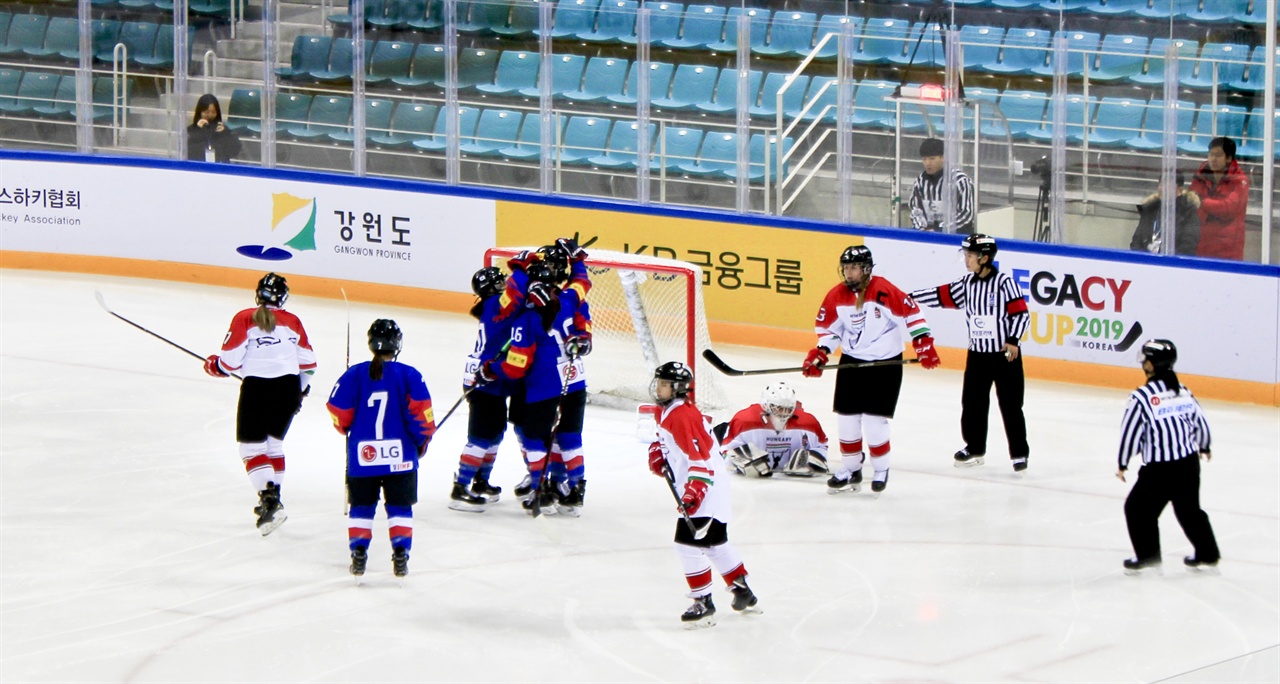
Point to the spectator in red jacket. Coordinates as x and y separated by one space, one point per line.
1224 191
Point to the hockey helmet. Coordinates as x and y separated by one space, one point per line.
541 272
558 259
385 337
779 401
272 289
979 243
678 374
487 282
857 254
1161 353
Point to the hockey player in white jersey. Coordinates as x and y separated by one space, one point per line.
775 435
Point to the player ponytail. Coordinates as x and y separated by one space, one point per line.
375 366
264 318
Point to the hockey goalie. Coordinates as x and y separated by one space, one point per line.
775 435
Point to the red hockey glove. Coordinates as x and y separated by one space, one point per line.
570 247
212 368
925 352
541 294
657 461
521 260
578 345
814 362
694 492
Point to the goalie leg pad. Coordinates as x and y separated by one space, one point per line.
801 464
750 466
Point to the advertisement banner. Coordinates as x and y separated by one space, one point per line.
261 223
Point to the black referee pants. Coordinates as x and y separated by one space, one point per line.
1161 483
980 371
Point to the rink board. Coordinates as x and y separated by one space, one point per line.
398 242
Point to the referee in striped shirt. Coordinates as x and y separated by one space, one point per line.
997 316
1164 423
927 202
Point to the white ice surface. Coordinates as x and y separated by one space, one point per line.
129 552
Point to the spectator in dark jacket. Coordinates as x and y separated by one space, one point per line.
1224 192
1148 236
208 138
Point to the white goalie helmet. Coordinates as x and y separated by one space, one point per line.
779 401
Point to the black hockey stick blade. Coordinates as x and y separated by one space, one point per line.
719 364
103 303
1130 337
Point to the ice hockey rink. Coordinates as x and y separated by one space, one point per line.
129 552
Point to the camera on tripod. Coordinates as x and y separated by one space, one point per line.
1042 167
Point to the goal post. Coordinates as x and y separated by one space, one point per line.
645 311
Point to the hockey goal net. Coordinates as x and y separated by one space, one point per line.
645 311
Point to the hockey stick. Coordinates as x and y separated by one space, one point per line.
467 392
719 364
348 303
555 425
698 533
103 303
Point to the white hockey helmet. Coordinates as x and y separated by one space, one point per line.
779 401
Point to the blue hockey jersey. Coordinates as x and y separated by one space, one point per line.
388 422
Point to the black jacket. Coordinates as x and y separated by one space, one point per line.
1187 213
226 145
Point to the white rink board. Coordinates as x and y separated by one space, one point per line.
167 214
1225 324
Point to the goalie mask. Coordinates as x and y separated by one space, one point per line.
678 374
779 403
272 290
385 337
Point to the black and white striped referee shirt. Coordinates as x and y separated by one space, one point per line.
994 308
1163 426
927 204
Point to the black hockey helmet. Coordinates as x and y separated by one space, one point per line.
1161 353
857 254
678 374
979 243
488 282
272 289
558 259
385 337
541 272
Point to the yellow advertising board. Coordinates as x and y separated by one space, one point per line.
752 275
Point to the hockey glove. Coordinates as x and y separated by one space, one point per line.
541 295
570 247
212 368
925 352
814 362
578 345
486 374
694 492
520 261
657 461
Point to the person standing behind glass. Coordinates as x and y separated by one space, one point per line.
208 138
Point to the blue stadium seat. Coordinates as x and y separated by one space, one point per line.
244 108
1082 49
105 34
38 89
1213 11
5 18
604 76
1152 136
1254 79
523 22
63 105
495 130
310 54
26 32
411 14
161 57
574 18
1079 111
1013 4
291 111
822 101
10 80
328 114
914 119
517 69
528 145
397 14
791 35
664 22
1154 74
1117 8
372 8
981 45
1226 120
337 69
725 100
566 76
691 85
201 8
390 59
1064 5
1116 120
615 22
881 40
468 117
61 35
377 121
659 83
1024 50
623 142
411 121
105 90
719 153
1255 15
1166 9
476 66
834 24
1251 145
426 68
758 167
677 145
483 16
922 50
584 137
793 98
1230 60
1119 57
758 28
1023 109
869 105
703 25
431 19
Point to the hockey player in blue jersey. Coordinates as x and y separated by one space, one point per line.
384 409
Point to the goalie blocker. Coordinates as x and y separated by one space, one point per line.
775 435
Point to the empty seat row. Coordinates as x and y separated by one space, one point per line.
37 37
47 95
1200 11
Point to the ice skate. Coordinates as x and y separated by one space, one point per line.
269 509
524 489
359 561
400 562
701 614
462 500
1136 566
964 459
480 487
879 483
1020 464
845 481
1204 566
569 499
744 600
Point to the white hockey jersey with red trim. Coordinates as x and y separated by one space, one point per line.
692 453
878 329
751 427
254 352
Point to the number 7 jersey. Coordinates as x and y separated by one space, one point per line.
388 421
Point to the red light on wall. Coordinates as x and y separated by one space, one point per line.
932 92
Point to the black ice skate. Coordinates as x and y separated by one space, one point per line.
1135 566
1020 464
400 562
744 600
878 485
1194 563
359 561
480 487
701 614
569 499
269 509
524 489
462 500
851 482
964 459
